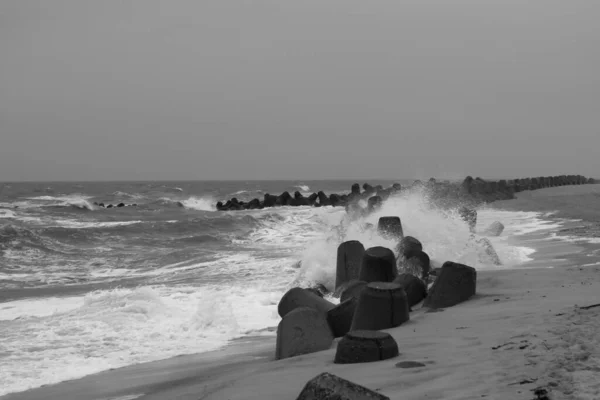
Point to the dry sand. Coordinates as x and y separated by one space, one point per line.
522 330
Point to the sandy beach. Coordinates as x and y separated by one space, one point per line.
524 329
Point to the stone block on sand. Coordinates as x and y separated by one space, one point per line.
415 288
381 305
495 229
351 289
349 259
408 247
302 331
454 284
327 386
365 346
340 317
298 297
378 265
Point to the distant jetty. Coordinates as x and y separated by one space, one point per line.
471 191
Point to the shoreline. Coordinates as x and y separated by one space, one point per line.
246 361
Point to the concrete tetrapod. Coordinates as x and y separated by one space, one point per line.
340 317
302 331
409 247
454 284
349 259
352 289
327 386
298 297
381 305
378 265
365 346
414 288
390 227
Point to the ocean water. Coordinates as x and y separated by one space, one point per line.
85 289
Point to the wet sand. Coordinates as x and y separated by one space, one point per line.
522 330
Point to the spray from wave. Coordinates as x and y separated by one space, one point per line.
199 203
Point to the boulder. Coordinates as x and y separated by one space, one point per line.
355 190
363 346
283 199
495 229
381 305
253 204
349 260
454 284
327 386
302 331
109 206
378 265
269 200
323 199
390 228
408 247
340 317
335 200
298 297
415 288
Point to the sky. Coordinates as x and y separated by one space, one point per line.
287 89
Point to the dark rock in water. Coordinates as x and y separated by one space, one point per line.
253 204
365 346
323 199
319 289
454 284
101 205
312 199
381 305
390 228
374 203
414 287
335 200
417 264
283 199
397 187
269 200
340 317
355 189
134 205
302 331
327 386
368 188
378 265
495 229
349 260
409 247
298 297
220 205
95 203
121 205
109 206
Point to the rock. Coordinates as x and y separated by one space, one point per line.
390 228
374 203
355 190
335 200
283 199
312 199
253 204
378 265
326 386
368 188
269 200
340 317
365 346
408 247
302 331
349 260
418 264
121 205
323 199
101 205
381 305
352 288
109 206
495 229
454 284
396 187
298 297
414 287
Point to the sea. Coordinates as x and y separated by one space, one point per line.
85 288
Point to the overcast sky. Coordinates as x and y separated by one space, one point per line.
298 89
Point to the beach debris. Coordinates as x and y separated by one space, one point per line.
349 260
390 228
410 364
414 287
381 305
299 297
361 346
327 386
456 283
340 317
302 331
378 265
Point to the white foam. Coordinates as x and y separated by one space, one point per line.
574 239
71 223
199 203
7 214
38 308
